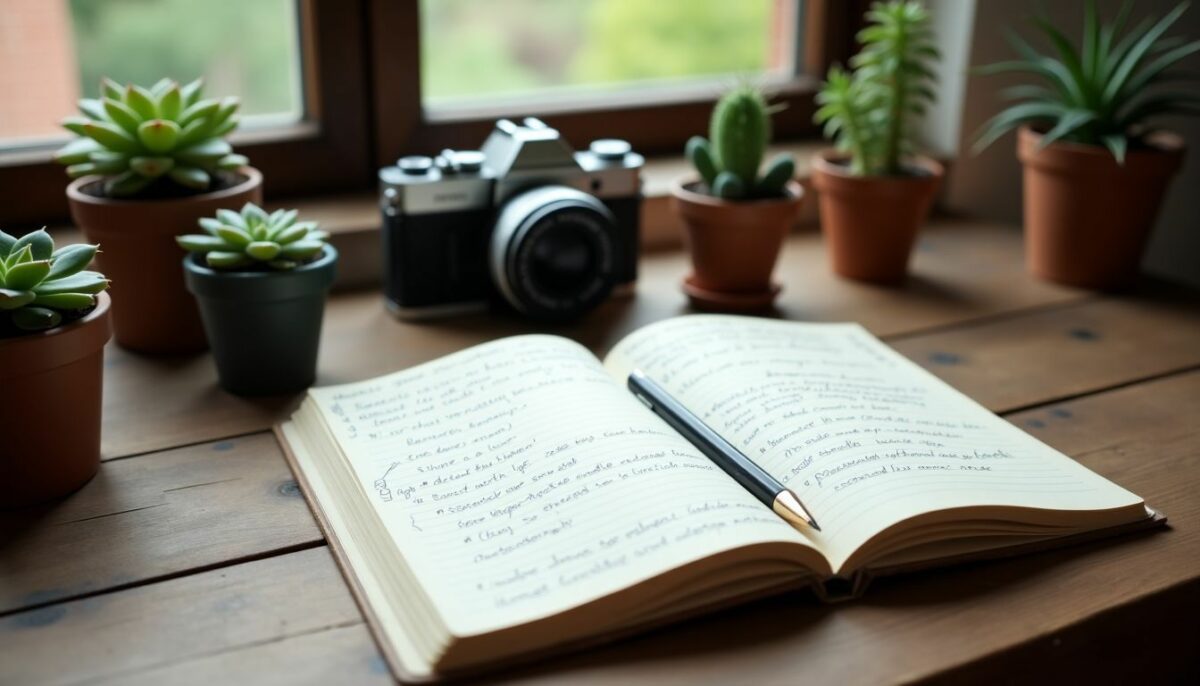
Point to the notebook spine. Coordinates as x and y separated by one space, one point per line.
837 589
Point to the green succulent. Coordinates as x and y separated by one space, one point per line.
739 131
1102 92
134 136
868 112
253 238
39 284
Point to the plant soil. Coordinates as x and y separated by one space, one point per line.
9 330
164 188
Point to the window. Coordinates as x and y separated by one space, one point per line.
513 52
56 52
332 89
297 65
444 70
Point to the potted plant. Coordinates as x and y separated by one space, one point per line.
873 194
736 220
261 281
1094 169
147 164
54 323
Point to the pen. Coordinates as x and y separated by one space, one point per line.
743 470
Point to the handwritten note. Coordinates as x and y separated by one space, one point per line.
866 438
518 480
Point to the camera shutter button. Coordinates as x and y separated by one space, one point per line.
415 165
468 161
610 148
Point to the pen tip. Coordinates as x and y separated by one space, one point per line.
788 506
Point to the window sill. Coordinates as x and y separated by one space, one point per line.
353 221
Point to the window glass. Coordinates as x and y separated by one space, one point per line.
52 52
474 50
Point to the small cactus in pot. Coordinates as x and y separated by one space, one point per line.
260 280
729 160
736 217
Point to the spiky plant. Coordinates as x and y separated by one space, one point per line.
135 136
254 239
1102 92
40 286
868 112
739 130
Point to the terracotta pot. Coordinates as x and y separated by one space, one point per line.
152 311
50 409
1087 218
734 244
870 222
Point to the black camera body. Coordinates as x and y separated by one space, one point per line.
524 221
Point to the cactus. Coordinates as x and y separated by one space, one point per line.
134 136
252 238
40 286
867 113
739 131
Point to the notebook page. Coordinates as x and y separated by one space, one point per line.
864 437
518 480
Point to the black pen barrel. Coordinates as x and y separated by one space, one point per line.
726 456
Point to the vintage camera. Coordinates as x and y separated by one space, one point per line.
525 221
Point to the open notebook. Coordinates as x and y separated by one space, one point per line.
515 498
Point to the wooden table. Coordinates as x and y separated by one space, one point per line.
193 558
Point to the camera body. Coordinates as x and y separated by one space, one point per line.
525 220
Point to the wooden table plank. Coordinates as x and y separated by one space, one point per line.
962 272
200 619
1042 356
155 515
1143 436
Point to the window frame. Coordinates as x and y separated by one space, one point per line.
826 32
328 150
359 116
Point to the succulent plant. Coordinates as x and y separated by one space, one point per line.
739 131
868 112
40 285
1102 92
253 238
134 136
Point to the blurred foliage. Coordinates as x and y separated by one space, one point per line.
246 48
480 47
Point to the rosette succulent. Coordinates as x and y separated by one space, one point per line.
135 136
254 239
729 159
41 286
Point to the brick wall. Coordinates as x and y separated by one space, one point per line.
38 73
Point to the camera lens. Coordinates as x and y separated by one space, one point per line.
552 252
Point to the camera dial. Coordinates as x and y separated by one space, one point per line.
552 252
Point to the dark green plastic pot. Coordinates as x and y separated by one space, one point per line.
264 327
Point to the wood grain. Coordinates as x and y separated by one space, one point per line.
1143 436
1042 356
183 625
153 516
962 272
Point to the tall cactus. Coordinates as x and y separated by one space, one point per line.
739 131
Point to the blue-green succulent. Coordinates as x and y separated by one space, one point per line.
41 286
